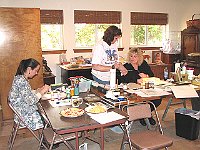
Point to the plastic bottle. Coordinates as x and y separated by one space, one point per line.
72 90
166 73
68 93
76 87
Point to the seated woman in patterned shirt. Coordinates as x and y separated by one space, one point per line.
23 98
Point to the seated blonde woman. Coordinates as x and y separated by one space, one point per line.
137 69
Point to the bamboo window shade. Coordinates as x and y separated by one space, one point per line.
141 18
51 16
97 17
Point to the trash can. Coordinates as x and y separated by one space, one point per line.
187 123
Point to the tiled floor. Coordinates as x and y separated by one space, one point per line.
113 140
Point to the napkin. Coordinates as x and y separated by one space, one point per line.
106 117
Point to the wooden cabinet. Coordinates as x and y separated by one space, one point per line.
190 41
158 70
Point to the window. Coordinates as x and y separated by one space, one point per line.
90 26
51 29
148 29
147 35
51 37
88 34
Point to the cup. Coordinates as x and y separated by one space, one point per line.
146 85
109 94
83 146
151 84
125 87
190 74
76 102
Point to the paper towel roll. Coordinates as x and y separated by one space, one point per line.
112 78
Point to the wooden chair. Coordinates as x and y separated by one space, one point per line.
16 127
151 138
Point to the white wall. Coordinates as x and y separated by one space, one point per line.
179 12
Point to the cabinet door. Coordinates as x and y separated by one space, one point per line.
190 44
170 58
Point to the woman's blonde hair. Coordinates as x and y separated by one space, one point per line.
137 51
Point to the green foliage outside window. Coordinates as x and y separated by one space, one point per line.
138 35
148 35
87 31
155 34
87 35
51 37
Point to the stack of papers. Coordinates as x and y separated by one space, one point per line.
149 92
106 117
154 92
184 91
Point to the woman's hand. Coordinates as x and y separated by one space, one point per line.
143 75
121 68
43 89
139 81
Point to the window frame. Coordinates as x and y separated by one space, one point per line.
96 17
144 18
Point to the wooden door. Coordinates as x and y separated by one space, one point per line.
20 39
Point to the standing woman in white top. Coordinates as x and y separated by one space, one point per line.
105 56
23 98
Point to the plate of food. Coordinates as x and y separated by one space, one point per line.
96 109
72 112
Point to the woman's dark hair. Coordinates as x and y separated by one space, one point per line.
24 64
110 33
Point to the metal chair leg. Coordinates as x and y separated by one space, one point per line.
68 144
166 109
183 101
13 136
126 138
41 142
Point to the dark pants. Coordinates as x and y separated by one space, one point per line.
156 103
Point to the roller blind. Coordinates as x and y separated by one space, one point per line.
97 17
51 16
141 18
